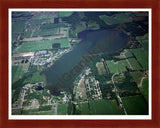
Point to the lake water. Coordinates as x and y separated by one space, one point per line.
59 76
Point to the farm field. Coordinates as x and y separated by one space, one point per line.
141 57
137 75
134 64
45 110
128 54
63 41
144 89
105 107
84 109
14 37
135 105
116 19
65 14
62 109
48 29
100 68
18 27
118 66
46 32
36 77
143 41
18 73
41 45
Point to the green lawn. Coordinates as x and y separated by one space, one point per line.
65 14
116 19
17 73
44 44
135 105
119 66
62 109
105 107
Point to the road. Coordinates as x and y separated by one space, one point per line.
117 94
56 108
23 98
140 84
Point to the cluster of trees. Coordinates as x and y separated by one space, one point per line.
128 87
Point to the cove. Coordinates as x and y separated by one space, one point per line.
112 39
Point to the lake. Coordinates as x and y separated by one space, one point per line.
61 75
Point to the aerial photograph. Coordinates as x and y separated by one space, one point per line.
79 63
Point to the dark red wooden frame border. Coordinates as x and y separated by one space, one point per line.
6 4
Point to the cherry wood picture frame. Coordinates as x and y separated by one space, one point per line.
121 123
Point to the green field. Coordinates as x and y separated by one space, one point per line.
46 32
65 14
141 56
18 26
144 88
93 25
14 37
143 41
134 64
117 67
137 75
116 19
62 109
63 41
17 73
105 107
44 44
128 54
135 105
35 77
100 68
84 109
39 111
48 29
